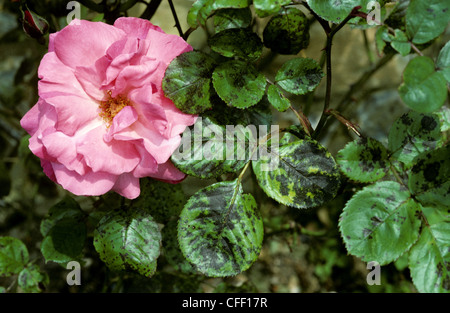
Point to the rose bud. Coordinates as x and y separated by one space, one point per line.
34 25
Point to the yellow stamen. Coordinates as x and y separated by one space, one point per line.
112 106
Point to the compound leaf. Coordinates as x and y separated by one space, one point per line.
220 230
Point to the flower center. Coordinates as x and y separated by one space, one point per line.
112 106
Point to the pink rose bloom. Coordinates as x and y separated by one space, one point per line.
102 120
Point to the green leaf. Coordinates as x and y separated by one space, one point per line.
211 6
379 223
67 208
220 230
426 19
412 134
128 240
429 179
239 84
423 89
299 76
162 200
13 256
187 82
232 18
237 42
172 251
443 61
381 37
32 280
277 98
400 43
193 13
210 149
336 11
287 32
65 241
364 160
301 174
265 8
429 258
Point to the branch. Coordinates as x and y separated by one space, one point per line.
177 22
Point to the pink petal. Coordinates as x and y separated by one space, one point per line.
125 118
167 172
115 157
83 43
73 112
56 78
135 27
89 184
62 148
165 47
127 186
30 121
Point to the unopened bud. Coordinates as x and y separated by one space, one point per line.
34 25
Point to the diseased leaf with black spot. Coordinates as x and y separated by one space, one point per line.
220 230
379 223
299 76
232 18
187 82
128 240
364 160
300 174
237 42
429 258
239 84
423 89
13 256
265 8
209 7
287 32
277 98
412 134
209 149
32 280
429 179
162 200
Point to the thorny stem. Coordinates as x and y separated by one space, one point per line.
177 22
344 121
303 120
330 35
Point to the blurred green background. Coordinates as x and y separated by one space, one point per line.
302 250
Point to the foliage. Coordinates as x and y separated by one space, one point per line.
389 200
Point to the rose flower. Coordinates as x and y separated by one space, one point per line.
102 120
